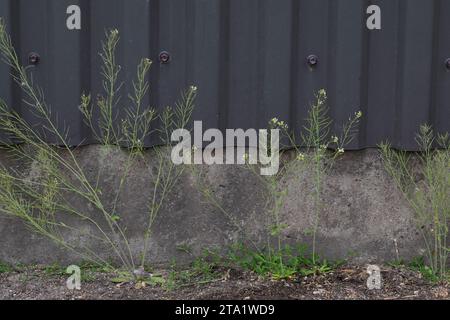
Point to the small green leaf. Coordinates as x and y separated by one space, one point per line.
155 280
120 280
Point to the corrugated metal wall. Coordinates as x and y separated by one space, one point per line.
248 58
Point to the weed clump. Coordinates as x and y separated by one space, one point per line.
426 187
46 204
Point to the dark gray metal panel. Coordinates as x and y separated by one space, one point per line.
383 54
5 83
248 60
440 99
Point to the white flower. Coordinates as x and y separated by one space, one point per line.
322 96
340 150
278 124
358 114
335 139
301 157
282 125
194 88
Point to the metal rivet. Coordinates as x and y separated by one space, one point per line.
447 63
34 58
312 60
164 57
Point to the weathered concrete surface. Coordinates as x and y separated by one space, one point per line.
365 218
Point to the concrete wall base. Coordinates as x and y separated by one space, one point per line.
365 218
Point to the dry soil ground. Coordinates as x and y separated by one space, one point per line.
347 282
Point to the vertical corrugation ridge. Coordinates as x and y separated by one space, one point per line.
224 75
434 64
85 64
123 46
331 63
260 65
397 123
293 107
154 45
48 83
15 31
93 55
190 18
364 87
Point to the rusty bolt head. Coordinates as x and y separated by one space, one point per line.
164 57
447 64
34 58
312 60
